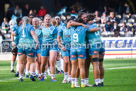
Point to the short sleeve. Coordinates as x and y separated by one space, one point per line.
32 28
60 32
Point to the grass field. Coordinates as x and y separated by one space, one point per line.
120 75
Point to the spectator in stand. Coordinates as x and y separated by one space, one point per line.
31 14
131 27
123 28
127 9
5 25
108 27
10 11
26 10
97 17
106 10
42 12
74 11
112 18
104 18
115 27
18 11
35 12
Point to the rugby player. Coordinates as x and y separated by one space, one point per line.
26 49
49 47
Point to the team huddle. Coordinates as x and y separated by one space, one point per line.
77 42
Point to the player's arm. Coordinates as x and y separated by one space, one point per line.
72 23
35 38
59 40
14 33
94 29
12 39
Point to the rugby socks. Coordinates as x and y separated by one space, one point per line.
33 73
97 81
69 78
86 81
52 76
101 80
17 67
45 73
73 81
27 72
82 81
76 80
21 76
12 65
37 72
59 65
65 75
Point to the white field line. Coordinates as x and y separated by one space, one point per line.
90 71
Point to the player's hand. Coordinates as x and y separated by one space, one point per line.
64 49
36 46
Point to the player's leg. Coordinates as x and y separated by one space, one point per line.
87 66
17 69
44 62
32 67
59 64
73 71
101 58
14 52
65 55
81 64
38 63
96 70
69 70
22 63
77 77
74 62
53 56
27 69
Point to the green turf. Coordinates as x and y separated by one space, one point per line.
119 79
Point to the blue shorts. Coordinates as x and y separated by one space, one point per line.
31 52
45 49
38 51
97 49
65 53
76 53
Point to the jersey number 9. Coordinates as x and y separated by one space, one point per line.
75 36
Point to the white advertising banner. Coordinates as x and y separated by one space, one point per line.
120 47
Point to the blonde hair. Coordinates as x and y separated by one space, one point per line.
47 15
53 22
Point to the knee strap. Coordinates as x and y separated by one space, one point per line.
100 60
95 59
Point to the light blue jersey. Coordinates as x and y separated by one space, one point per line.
49 34
65 34
94 37
78 35
26 41
16 38
38 32
25 36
